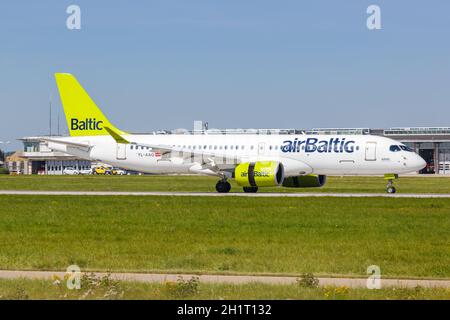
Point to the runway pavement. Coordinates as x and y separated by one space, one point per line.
215 194
231 279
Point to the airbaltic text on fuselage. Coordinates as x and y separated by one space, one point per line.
315 145
87 124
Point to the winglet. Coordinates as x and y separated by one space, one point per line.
116 135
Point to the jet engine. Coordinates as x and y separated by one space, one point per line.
307 181
259 174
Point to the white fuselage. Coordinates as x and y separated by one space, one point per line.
299 154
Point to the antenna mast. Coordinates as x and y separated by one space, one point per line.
50 116
58 120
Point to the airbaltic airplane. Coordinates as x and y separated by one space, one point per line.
253 160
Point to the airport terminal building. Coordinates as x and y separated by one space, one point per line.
37 158
432 143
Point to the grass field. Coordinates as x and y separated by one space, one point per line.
46 289
207 184
324 236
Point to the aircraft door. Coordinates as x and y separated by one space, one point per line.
371 151
121 151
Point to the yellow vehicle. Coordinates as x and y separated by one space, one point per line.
101 170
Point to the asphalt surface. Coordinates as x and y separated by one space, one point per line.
215 194
232 279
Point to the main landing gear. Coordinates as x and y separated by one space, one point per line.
250 189
223 186
390 182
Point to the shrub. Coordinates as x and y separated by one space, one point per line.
308 280
92 287
18 294
182 288
331 292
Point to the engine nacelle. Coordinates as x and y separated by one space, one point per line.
307 181
259 174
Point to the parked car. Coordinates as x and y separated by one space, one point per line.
118 172
102 170
86 171
70 171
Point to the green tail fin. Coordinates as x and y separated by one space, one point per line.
83 116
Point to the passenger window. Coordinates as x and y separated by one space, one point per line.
394 148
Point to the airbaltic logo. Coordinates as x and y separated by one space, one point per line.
87 124
256 174
314 145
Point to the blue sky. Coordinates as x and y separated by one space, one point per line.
289 64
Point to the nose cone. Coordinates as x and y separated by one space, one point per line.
418 163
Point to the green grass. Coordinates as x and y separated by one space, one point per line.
324 236
207 184
46 289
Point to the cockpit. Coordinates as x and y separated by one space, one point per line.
400 147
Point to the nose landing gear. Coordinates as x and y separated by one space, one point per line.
390 182
390 188
223 186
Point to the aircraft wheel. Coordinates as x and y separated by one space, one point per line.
391 189
250 189
223 186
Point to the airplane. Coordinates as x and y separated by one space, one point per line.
252 160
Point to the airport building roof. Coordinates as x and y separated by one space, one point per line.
406 131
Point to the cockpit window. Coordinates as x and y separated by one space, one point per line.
405 148
394 148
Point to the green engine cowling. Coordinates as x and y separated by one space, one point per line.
259 174
308 181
